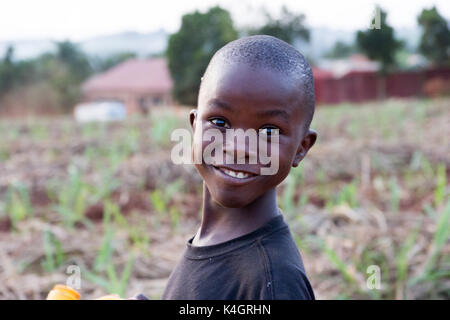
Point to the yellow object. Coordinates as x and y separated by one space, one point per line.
61 292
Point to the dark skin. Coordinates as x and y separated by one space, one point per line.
240 96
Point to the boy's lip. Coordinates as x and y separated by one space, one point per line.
238 168
219 170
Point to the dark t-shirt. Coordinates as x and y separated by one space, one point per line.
262 265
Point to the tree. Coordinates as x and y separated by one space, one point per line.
192 47
100 65
50 81
435 40
7 71
379 43
74 59
13 73
289 27
340 50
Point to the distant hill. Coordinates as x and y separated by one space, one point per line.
145 44
323 39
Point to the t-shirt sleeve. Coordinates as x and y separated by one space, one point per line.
291 283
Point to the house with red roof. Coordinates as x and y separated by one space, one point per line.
139 84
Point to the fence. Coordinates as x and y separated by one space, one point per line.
360 86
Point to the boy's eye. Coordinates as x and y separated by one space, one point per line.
270 131
220 122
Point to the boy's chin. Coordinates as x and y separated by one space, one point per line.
232 201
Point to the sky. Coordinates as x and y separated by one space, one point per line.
81 19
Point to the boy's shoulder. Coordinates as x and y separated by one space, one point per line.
264 264
285 266
274 261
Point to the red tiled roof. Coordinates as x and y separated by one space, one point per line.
135 75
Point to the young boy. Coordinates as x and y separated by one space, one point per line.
243 248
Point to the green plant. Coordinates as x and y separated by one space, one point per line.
440 238
104 271
402 259
348 195
71 198
394 189
18 204
112 282
140 238
340 265
54 254
293 181
161 201
161 128
432 273
441 184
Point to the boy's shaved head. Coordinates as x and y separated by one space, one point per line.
271 53
265 85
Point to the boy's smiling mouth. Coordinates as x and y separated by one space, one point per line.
234 176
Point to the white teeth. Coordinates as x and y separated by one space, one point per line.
236 174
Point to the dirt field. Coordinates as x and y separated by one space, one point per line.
373 191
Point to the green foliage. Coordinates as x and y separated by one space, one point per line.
71 198
113 283
340 50
103 64
191 48
7 71
441 185
18 204
104 271
440 238
395 195
334 258
379 44
54 254
161 128
348 195
51 80
433 273
161 201
293 182
13 73
288 27
435 40
403 257
76 61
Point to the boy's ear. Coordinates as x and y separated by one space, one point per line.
308 141
193 118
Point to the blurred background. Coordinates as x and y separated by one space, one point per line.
90 92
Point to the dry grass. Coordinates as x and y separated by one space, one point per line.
106 197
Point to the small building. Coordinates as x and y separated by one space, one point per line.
140 84
353 63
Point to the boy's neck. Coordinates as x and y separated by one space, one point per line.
220 224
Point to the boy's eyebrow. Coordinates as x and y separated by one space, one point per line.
267 113
220 104
275 112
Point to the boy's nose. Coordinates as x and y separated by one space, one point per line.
240 151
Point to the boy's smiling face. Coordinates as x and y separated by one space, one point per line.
238 96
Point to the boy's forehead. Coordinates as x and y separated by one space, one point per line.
241 83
